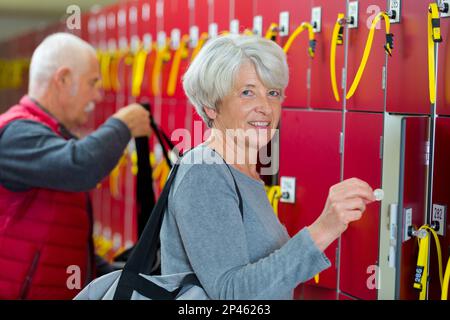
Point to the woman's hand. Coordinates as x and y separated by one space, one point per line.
346 202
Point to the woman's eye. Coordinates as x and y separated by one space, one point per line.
247 93
274 93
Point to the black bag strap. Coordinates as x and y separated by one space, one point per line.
144 254
145 195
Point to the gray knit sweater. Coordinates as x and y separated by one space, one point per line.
234 258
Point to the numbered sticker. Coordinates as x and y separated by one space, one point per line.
439 216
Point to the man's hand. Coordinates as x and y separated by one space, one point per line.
346 203
136 118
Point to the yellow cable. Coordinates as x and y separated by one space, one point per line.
181 53
438 249
388 48
139 61
421 275
274 195
446 280
114 70
272 32
296 33
336 39
201 41
434 35
248 32
162 55
105 64
316 278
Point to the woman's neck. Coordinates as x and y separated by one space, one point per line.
240 156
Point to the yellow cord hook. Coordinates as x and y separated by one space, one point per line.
296 33
388 48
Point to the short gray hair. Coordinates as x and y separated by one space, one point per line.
57 50
211 75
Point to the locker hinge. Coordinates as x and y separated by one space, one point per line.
336 259
344 78
427 153
341 142
381 147
383 78
308 78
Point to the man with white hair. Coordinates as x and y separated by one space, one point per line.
46 249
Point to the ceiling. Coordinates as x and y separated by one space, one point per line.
19 16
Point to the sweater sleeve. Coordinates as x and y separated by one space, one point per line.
214 239
32 155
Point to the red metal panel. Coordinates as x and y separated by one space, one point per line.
309 151
359 243
407 85
321 91
221 14
443 63
414 189
201 15
176 16
441 196
243 11
369 95
298 58
270 12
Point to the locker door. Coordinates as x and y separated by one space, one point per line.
441 197
309 152
369 96
359 243
221 14
443 63
243 12
321 91
412 197
298 58
407 85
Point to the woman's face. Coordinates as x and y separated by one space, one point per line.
251 111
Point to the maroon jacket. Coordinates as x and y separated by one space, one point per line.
44 234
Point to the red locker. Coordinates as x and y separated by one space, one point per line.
298 59
369 96
441 196
443 63
147 31
242 10
407 84
359 243
412 194
270 12
309 151
321 91
176 16
221 14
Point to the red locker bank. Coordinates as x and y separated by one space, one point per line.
368 97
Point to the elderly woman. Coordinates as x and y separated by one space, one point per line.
219 223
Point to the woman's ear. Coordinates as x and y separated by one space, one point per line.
211 113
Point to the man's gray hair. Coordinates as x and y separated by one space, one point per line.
55 51
211 75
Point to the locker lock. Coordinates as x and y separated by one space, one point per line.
349 20
435 225
392 14
443 7
421 233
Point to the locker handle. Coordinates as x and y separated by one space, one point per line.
368 48
336 39
434 36
181 53
203 38
162 55
138 71
297 32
